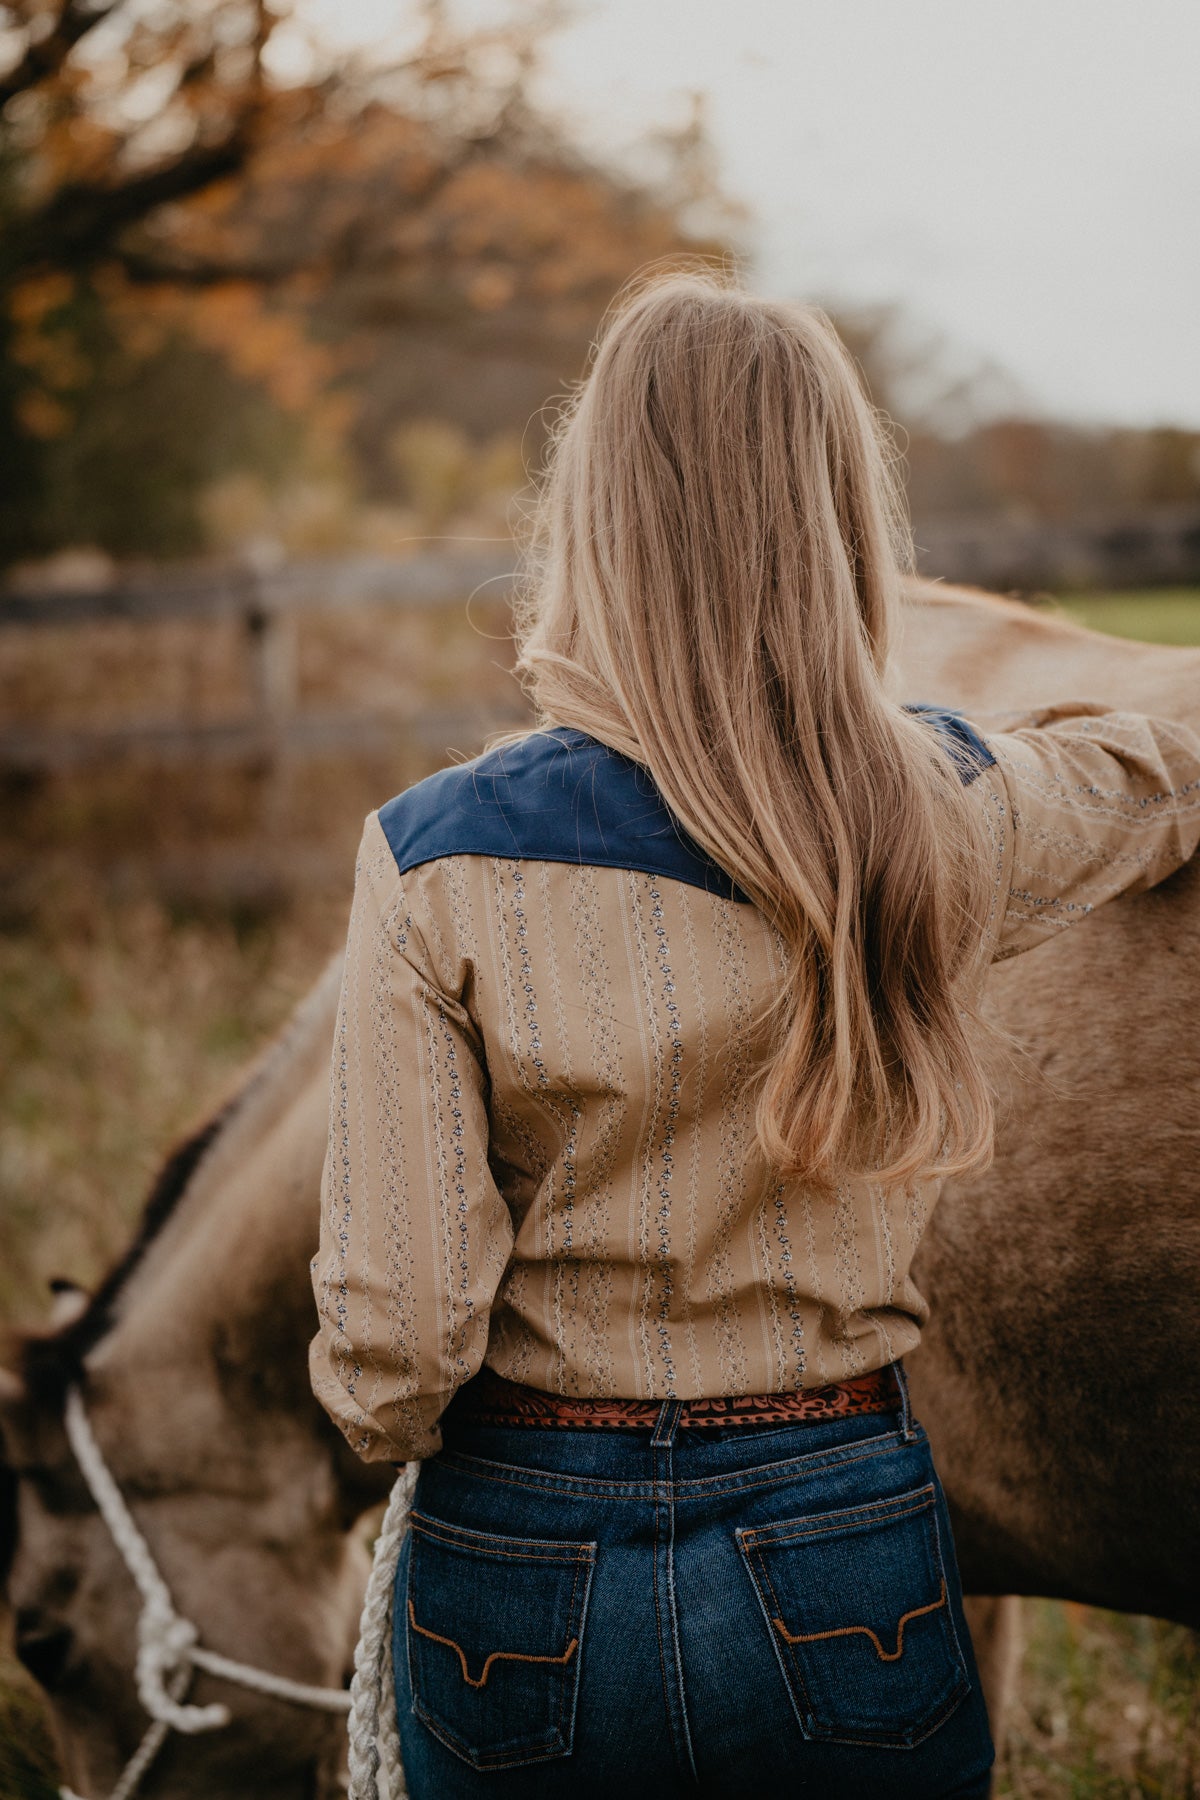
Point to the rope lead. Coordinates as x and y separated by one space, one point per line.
375 1769
168 1649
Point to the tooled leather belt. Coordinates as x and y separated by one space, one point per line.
492 1399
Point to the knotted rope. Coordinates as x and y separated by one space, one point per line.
375 1769
168 1647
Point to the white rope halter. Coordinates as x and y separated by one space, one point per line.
168 1645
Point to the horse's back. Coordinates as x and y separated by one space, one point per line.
1056 1373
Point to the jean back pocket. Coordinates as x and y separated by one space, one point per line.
494 1629
857 1603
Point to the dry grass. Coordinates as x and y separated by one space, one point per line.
1108 1709
121 1023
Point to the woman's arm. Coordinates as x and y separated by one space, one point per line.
415 1236
1098 804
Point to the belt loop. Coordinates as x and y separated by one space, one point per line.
666 1424
906 1419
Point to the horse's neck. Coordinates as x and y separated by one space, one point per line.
990 655
211 1327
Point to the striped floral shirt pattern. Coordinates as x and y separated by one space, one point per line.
542 1154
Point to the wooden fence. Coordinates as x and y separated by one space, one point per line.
268 604
1005 555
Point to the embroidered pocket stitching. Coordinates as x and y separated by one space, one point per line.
580 1559
755 1541
816 1637
496 1655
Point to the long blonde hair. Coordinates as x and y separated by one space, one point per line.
712 587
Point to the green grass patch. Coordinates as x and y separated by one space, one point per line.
1155 615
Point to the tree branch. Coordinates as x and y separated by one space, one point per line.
47 56
82 219
147 267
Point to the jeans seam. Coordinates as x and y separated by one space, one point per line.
963 1664
669 1651
662 1660
676 1647
568 1687
484 1544
699 1487
875 1512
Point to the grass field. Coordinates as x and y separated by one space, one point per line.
97 1077
1158 616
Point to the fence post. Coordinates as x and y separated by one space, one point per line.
271 635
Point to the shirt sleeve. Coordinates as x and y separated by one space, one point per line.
1099 804
415 1236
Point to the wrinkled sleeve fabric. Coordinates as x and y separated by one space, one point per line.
415 1236
1098 804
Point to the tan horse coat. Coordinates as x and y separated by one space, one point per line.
1068 1429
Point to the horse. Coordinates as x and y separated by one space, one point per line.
1053 1377
191 1361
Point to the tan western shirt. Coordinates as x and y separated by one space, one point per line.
541 1154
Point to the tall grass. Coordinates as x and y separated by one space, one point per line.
121 1024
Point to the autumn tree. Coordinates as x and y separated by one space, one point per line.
109 115
210 257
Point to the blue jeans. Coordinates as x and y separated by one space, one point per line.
730 1611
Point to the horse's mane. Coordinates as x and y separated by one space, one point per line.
50 1361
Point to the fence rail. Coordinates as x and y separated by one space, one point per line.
243 592
268 601
243 740
268 604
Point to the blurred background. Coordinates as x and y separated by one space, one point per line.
288 295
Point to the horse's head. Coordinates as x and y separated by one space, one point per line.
249 1527
190 1364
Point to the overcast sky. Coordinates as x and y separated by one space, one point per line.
1022 175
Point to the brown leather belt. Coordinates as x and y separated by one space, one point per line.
492 1399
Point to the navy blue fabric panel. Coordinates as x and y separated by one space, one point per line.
562 796
557 796
969 752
